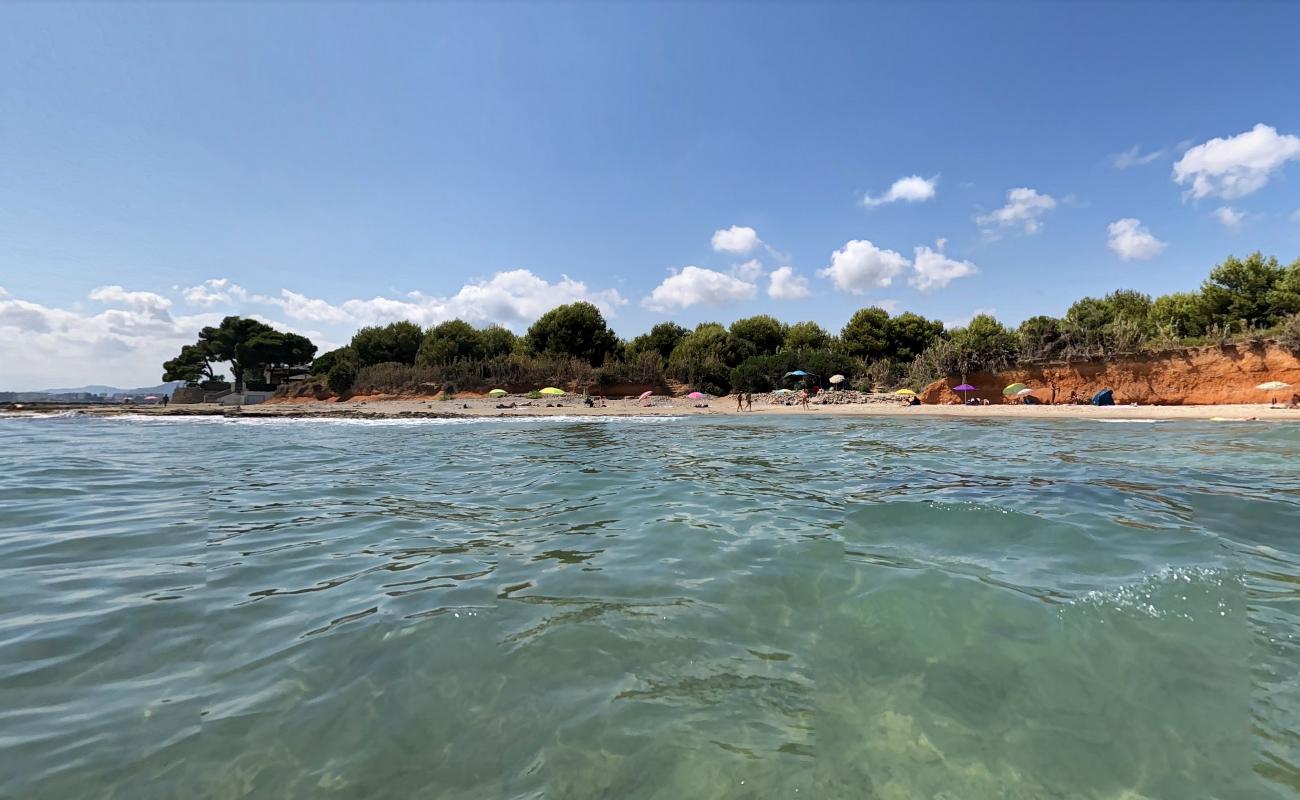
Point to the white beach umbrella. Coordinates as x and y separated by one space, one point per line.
1273 386
837 379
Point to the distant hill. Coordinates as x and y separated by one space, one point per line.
162 388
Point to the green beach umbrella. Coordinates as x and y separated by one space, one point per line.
551 391
498 393
1013 388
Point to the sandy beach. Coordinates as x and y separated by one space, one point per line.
433 407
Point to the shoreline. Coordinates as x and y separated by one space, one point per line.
468 408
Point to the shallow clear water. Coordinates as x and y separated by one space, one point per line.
665 608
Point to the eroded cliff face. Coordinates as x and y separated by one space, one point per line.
1193 376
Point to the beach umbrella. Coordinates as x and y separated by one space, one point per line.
497 393
1024 392
798 373
1273 386
964 388
551 391
697 395
1012 389
782 391
644 395
837 379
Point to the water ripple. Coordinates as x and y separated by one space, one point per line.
660 607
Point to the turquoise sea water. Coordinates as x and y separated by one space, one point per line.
740 607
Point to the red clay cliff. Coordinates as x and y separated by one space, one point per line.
1193 376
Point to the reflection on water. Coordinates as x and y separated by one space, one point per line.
597 608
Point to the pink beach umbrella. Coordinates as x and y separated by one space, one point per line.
697 395
644 395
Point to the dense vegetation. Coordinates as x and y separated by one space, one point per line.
572 346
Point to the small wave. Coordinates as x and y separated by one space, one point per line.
1152 595
1130 419
382 421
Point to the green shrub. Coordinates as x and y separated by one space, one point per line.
342 375
1289 335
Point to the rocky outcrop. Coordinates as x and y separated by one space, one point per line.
1193 376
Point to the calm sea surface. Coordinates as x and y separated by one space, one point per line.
742 607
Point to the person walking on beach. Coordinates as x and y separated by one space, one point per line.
803 398
749 401
740 401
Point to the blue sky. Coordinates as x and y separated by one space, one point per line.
316 165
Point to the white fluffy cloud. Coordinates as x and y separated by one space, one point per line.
1238 165
1131 241
509 298
43 347
1229 217
736 239
214 291
149 304
860 266
125 343
931 269
912 189
750 271
784 284
1134 157
698 286
1023 210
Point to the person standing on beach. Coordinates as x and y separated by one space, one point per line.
740 401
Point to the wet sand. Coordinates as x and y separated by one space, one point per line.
484 407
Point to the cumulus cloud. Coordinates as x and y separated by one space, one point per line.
860 266
1023 210
147 303
912 189
750 271
1235 166
1131 241
934 270
509 298
126 342
698 286
1134 157
43 347
214 291
736 239
1229 217
784 284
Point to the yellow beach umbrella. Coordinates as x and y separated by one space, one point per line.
551 391
905 393
498 393
1013 389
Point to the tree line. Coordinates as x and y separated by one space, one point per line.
572 344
